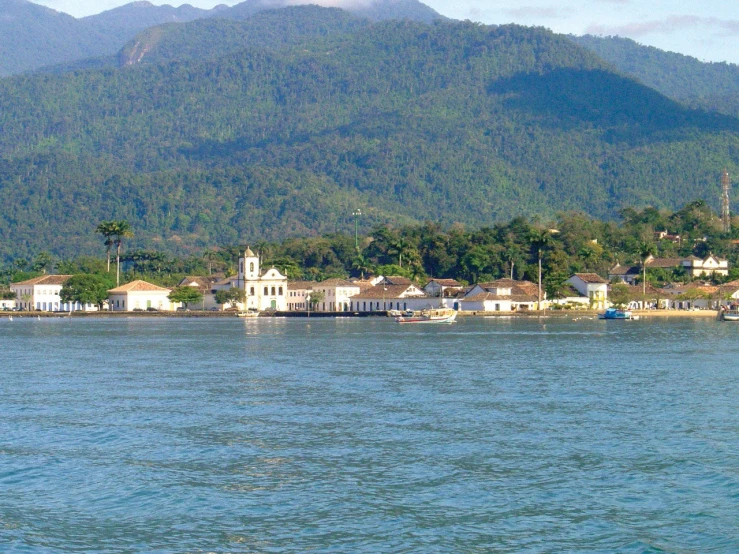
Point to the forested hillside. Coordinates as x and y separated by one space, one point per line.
453 122
711 86
33 37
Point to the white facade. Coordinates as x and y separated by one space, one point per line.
298 293
265 290
335 295
708 266
486 302
6 305
592 286
42 293
382 298
140 296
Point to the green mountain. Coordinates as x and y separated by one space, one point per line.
451 122
214 38
711 86
34 37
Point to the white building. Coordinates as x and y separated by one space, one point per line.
298 293
504 295
383 297
7 304
335 295
265 290
708 266
592 286
42 293
140 296
442 287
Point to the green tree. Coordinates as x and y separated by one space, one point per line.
230 296
107 230
86 289
540 240
186 295
122 229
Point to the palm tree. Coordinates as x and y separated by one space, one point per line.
122 230
107 229
646 249
540 240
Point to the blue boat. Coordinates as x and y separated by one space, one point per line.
614 313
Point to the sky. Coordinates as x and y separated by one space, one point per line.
707 30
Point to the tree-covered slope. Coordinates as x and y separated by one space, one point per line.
34 37
711 86
409 122
214 38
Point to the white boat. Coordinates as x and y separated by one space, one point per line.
729 314
439 315
251 312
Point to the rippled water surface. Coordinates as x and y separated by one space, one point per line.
359 435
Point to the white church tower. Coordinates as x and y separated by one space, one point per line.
264 291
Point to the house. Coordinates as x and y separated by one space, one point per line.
693 266
691 296
206 287
592 286
265 289
710 265
523 295
385 297
298 294
140 296
487 302
7 304
570 297
442 287
335 295
43 293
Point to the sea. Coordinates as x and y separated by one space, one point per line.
358 435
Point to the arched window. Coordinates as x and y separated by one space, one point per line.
251 291
273 291
280 291
266 291
251 267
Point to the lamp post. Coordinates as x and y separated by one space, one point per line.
356 213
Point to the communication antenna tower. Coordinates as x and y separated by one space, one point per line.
725 213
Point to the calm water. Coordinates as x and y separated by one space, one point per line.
145 435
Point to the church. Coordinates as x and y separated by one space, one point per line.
265 290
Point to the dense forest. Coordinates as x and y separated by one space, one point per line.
34 36
450 122
710 86
571 242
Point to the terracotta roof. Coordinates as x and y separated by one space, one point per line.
624 270
482 296
398 280
666 262
46 280
203 283
139 286
446 282
388 291
591 277
300 285
336 283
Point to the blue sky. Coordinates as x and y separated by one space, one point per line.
708 31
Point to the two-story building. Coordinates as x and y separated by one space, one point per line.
592 286
42 293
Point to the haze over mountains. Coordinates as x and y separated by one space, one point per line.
282 123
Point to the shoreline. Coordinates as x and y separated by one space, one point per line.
572 314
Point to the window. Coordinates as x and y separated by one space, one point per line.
251 291
266 291
280 291
273 291
251 267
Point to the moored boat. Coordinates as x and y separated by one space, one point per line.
439 315
729 313
251 312
615 313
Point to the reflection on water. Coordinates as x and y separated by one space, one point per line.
360 435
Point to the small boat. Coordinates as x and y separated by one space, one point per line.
615 313
251 312
729 313
439 315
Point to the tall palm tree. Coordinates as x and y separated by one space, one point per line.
107 229
540 240
122 230
646 249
